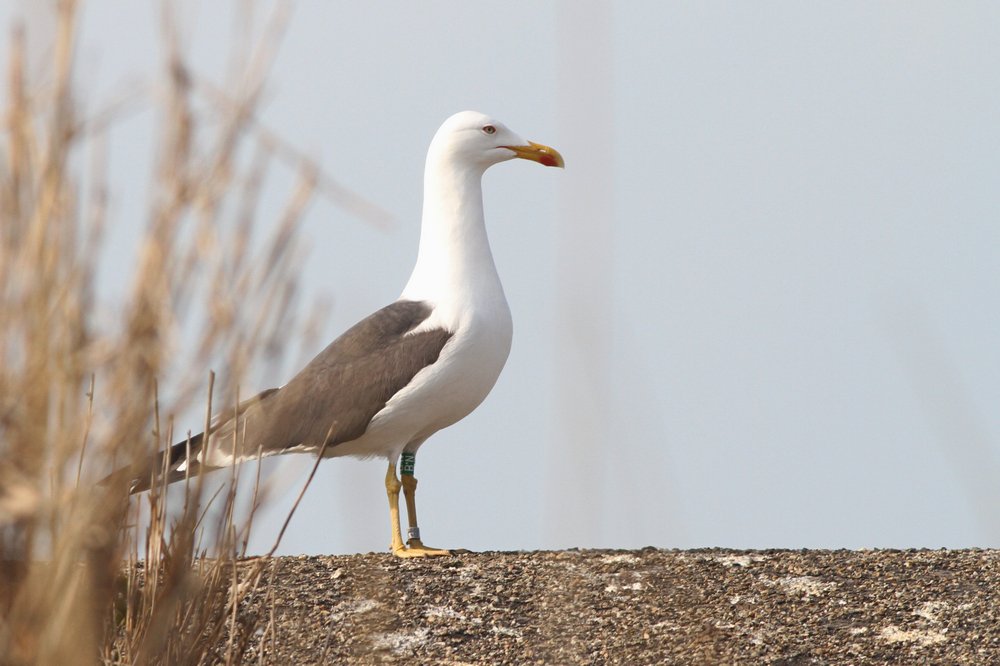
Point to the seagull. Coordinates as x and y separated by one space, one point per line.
416 366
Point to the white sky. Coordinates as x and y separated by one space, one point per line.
797 340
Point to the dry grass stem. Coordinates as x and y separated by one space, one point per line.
87 386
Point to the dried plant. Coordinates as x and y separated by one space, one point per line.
84 575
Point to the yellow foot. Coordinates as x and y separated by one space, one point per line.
415 548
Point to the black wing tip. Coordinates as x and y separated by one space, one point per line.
142 479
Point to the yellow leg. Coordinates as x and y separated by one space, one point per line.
414 543
392 487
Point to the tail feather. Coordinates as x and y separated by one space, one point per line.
177 462
171 462
182 459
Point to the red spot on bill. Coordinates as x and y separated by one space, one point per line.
548 160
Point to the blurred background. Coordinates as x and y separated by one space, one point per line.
758 309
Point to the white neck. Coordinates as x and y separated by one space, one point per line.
455 269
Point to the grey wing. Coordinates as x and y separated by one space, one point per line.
332 399
336 395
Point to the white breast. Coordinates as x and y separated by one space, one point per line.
441 394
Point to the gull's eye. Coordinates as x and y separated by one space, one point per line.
489 129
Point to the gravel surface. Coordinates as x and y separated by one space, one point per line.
636 607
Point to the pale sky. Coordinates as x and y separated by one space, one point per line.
757 309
